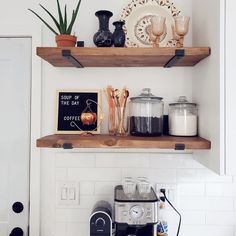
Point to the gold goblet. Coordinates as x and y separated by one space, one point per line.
157 29
181 28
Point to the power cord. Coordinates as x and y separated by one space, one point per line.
163 191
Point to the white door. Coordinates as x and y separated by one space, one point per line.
15 86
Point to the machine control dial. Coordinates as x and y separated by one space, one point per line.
100 222
136 212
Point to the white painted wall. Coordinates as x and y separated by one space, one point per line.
230 87
208 80
207 201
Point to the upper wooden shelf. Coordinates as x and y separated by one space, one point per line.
69 141
122 57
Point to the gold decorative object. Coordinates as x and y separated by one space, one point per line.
88 118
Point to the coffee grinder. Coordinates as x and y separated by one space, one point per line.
101 219
136 215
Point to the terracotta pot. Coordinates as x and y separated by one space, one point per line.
64 40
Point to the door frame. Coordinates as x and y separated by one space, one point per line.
30 31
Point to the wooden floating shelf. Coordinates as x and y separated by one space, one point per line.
123 57
68 141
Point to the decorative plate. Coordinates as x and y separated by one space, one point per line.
137 16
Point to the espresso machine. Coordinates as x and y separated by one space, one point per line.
135 215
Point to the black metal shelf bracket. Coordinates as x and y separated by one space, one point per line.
67 54
179 146
67 146
179 53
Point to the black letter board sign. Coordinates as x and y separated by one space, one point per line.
78 112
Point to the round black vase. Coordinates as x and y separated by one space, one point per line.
103 38
119 34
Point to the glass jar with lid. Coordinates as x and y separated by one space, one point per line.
146 114
183 118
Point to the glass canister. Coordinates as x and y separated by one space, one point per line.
146 114
183 118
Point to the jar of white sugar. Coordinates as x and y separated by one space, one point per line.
183 118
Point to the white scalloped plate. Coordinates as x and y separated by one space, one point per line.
137 17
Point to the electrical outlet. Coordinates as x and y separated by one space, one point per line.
67 194
171 191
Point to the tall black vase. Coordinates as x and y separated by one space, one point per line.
103 38
119 34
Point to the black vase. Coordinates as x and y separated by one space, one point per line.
119 34
103 38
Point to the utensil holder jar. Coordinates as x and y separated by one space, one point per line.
118 121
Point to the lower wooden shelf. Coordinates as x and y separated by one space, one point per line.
69 141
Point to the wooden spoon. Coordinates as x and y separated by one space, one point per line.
116 96
121 124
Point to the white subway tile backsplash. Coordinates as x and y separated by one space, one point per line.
201 175
171 217
88 202
119 160
206 203
206 230
77 229
193 217
225 190
219 204
172 230
60 174
188 218
75 160
210 176
86 188
175 161
192 203
191 189
189 175
221 218
94 174
72 215
105 188
214 189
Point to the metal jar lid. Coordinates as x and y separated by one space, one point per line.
146 96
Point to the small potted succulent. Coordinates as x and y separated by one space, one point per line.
64 27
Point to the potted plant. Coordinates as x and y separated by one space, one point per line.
63 32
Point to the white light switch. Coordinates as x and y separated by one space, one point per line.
72 193
67 194
63 193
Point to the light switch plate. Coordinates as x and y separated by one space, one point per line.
67 194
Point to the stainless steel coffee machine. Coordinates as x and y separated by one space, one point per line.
136 214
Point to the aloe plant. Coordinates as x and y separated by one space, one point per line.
62 24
